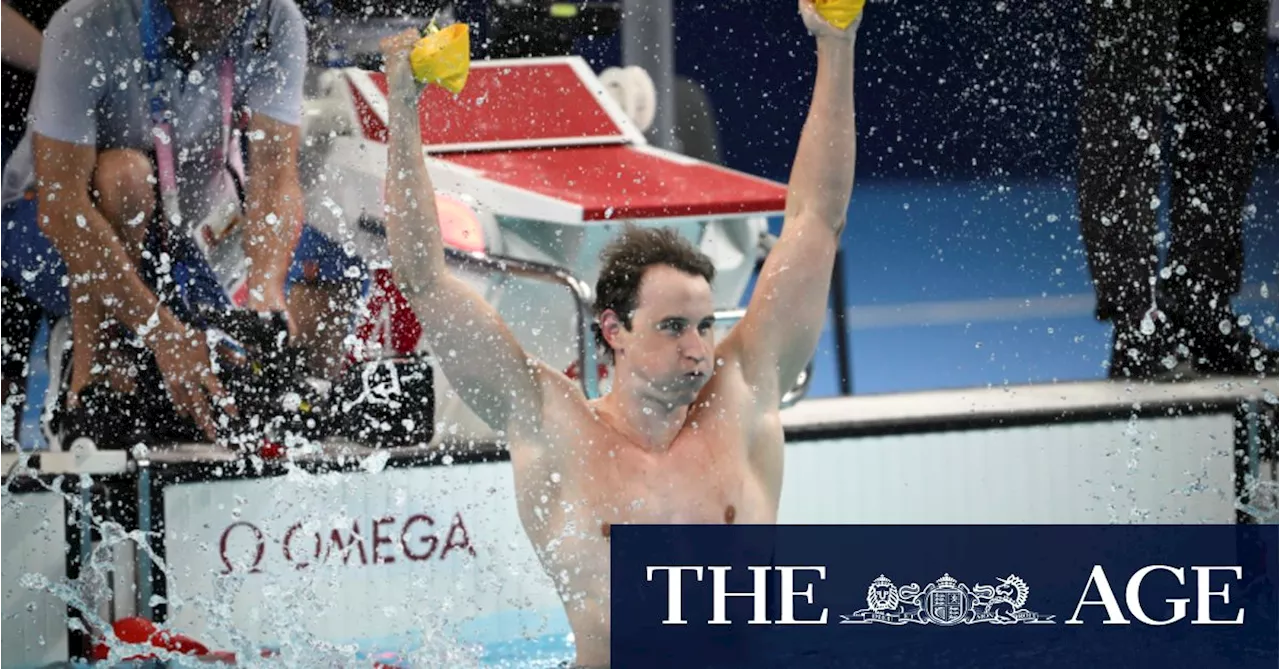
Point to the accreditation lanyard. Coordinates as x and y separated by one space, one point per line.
161 127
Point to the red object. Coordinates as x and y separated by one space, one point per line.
271 451
391 323
459 226
502 104
179 643
134 630
621 182
141 632
602 371
537 126
240 294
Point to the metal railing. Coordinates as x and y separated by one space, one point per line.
581 291
801 386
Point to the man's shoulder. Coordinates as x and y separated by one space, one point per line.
283 14
564 405
281 30
732 384
87 15
557 385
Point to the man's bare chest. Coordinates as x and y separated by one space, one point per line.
696 481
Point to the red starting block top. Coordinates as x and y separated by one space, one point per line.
546 126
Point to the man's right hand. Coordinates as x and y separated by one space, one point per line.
183 356
395 56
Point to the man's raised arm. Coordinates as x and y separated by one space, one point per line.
477 352
780 331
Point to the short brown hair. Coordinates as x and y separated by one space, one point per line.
624 262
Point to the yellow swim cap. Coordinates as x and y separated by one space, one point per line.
840 13
443 58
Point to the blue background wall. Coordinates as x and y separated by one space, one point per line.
963 259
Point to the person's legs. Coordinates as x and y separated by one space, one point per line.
1220 65
1121 113
122 191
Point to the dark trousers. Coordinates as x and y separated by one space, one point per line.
1194 67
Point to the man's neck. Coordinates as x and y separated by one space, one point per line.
649 422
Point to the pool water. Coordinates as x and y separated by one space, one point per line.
543 652
550 651
547 651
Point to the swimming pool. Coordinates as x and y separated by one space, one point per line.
548 651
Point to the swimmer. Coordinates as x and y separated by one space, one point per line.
690 431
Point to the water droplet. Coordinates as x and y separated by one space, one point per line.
195 77
375 463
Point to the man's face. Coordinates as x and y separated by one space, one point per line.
671 345
205 23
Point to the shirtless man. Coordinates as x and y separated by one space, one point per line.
690 431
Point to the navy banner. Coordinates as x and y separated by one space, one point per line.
944 596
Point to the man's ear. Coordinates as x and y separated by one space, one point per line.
611 328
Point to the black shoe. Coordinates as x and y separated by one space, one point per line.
1221 346
1145 349
166 426
103 419
264 337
